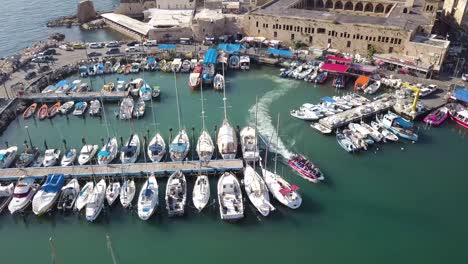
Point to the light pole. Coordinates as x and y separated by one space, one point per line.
29 136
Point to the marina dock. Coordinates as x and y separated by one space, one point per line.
163 169
86 96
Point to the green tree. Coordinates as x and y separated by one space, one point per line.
370 51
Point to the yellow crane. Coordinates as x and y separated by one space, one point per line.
416 91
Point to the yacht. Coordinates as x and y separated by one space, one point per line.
201 192
7 156
22 194
84 195
127 192
96 201
176 194
156 148
108 152
257 191
48 194
68 195
131 150
148 199
69 158
51 157
231 206
87 153
112 192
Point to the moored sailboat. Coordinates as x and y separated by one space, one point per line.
201 192
257 191
148 199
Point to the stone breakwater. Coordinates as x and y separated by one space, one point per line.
64 21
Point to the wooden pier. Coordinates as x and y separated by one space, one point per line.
162 169
84 96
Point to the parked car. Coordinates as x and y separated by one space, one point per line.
465 77
113 51
42 59
133 49
113 44
94 45
79 46
94 54
30 75
43 68
150 43
132 43
49 52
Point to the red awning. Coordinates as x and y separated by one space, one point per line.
332 67
338 59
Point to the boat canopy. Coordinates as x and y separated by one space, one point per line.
231 48
104 153
461 95
145 89
54 183
166 47
210 56
62 83
129 149
284 53
403 122
155 148
332 67
327 99
335 59
2 157
178 147
151 60
79 104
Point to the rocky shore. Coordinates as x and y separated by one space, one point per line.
64 21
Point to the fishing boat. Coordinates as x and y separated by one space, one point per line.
139 108
49 89
83 70
437 117
156 148
108 152
185 66
126 108
244 62
43 112
27 157
218 82
371 89
112 192
321 128
146 92
373 133
116 67
127 193
201 192
398 125
47 194
30 111
22 194
68 195
460 116
87 154
135 86
91 70
195 80
385 132
66 107
95 107
176 194
84 195
108 87
250 152
357 139
131 150
96 201
231 206
234 62
176 65
51 157
305 168
128 69
7 156
53 110
122 86
257 191
62 86
69 158
321 77
148 199
80 108
6 194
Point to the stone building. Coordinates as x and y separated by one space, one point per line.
135 8
457 12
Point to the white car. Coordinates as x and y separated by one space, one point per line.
150 43
133 49
66 47
113 44
465 77
94 45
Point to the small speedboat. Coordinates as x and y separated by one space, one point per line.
84 195
437 117
148 199
126 108
69 158
127 192
305 168
22 194
51 157
218 82
249 146
156 148
257 191
68 195
30 111
43 112
131 150
62 86
371 89
7 156
66 107
176 194
321 128
231 205
139 108
6 194
96 201
80 108
201 192
94 107
112 192
48 193
108 152
146 92
53 110
87 154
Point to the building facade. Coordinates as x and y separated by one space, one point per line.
456 11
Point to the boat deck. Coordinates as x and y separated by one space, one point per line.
84 96
162 169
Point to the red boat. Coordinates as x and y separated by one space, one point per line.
461 117
43 112
437 117
305 168
198 69
30 111
53 110
195 78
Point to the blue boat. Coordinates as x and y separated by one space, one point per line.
83 71
100 68
209 63
399 126
48 194
91 70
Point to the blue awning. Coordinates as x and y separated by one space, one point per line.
327 99
62 83
178 147
103 153
231 48
167 47
461 95
151 60
284 53
210 56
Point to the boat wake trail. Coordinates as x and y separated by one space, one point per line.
264 120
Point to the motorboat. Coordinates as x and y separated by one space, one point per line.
126 108
305 168
53 110
6 194
371 89
83 70
193 63
108 152
27 157
208 73
108 87
62 86
339 82
321 128
139 108
460 116
234 62
176 194
146 92
74 86
22 194
51 157
150 64
194 80
385 132
148 199
227 141
127 69
43 112
135 67
307 114
176 65
257 191
84 195
30 111
49 89
96 201
372 132
345 142
116 67
358 140
127 193
244 62
398 125
108 67
201 192
156 92
80 108
437 117
69 158
91 70
185 66
156 148
95 107
205 147
66 107
249 145
180 146
7 156
218 82
131 150
231 206
48 193
121 86
87 154
135 86
321 77
112 192
99 68
361 132
68 195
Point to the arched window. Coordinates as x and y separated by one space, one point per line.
329 4
379 8
348 6
405 10
359 7
338 5
319 4
369 8
388 8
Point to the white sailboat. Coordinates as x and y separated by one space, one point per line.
87 153
22 194
69 158
180 146
148 198
257 191
205 146
127 193
96 201
108 152
156 148
231 206
112 192
201 192
131 150
84 195
227 138
176 194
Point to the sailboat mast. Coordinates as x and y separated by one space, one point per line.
104 113
177 100
202 106
277 141
256 142
224 93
